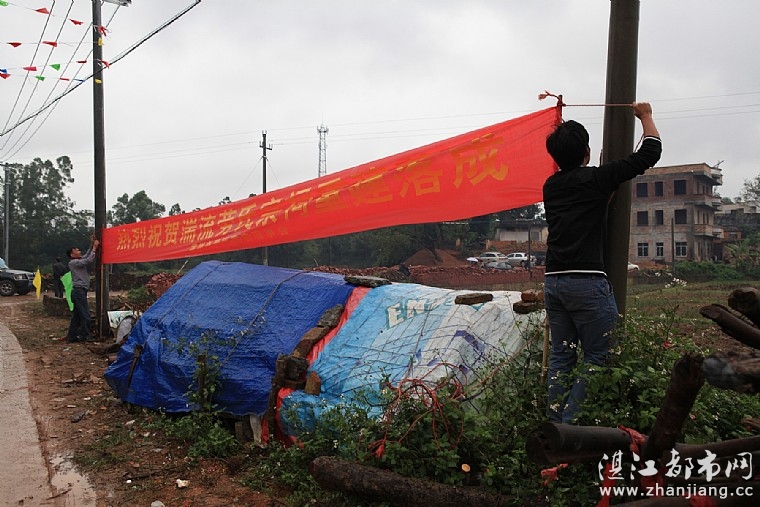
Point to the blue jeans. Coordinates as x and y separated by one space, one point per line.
79 327
582 313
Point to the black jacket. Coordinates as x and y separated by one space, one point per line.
575 203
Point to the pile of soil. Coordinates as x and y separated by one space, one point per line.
441 258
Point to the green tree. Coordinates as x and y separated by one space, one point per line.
751 189
43 223
175 210
530 212
139 207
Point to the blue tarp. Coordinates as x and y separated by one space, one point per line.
408 331
243 314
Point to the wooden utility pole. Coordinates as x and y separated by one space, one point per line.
619 124
99 143
264 147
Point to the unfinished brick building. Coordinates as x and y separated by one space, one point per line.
673 214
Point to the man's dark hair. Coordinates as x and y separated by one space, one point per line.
68 251
57 259
567 144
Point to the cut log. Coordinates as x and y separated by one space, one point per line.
685 382
732 325
733 370
383 485
566 443
746 300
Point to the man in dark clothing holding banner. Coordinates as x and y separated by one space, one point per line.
79 328
578 298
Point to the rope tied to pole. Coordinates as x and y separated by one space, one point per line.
561 103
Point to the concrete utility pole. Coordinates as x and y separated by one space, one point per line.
619 125
7 214
99 143
264 147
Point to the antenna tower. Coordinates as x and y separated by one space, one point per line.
322 130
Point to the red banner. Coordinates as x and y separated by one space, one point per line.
488 170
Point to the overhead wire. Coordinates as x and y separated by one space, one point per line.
69 86
129 50
22 136
23 83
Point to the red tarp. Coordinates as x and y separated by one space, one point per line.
484 171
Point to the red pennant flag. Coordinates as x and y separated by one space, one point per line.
15 44
105 64
64 79
50 43
103 30
81 61
42 10
4 76
75 21
32 69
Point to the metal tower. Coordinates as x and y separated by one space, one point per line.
322 130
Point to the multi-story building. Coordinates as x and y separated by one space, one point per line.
673 214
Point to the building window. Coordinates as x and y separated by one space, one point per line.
680 248
641 190
642 249
642 218
679 187
659 249
680 216
659 217
658 189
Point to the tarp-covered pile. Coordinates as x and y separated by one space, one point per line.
407 331
244 314
247 315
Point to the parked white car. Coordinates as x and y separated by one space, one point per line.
520 259
491 256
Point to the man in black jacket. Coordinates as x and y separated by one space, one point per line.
59 269
578 297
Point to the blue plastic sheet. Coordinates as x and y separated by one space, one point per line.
240 316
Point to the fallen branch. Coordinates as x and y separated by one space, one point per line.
732 325
746 300
738 372
370 482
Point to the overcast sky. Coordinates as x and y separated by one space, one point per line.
185 111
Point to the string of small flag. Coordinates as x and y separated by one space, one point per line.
41 10
5 72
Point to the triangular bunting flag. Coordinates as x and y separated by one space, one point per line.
75 21
42 10
3 4
15 44
56 66
40 78
4 75
50 43
31 69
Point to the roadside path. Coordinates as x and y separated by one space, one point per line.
24 479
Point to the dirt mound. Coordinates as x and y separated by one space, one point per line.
441 258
